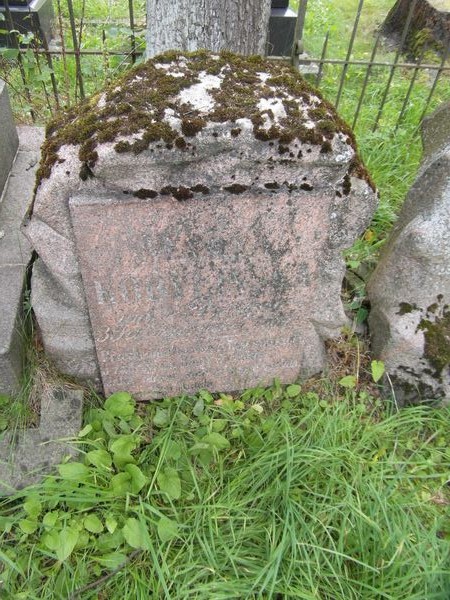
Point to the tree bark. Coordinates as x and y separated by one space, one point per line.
237 25
426 15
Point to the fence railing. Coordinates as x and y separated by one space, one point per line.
395 65
93 41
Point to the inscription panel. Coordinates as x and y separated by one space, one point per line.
216 293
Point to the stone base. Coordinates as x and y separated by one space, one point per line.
26 457
15 255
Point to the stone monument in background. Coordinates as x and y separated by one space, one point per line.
189 223
410 288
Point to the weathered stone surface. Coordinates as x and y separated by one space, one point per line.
410 289
196 211
10 140
15 255
27 456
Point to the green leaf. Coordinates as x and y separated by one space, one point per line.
170 483
111 523
293 390
199 407
67 540
28 526
138 479
167 529
173 450
93 524
217 440
121 484
99 458
122 448
349 381
111 561
10 53
85 431
135 534
50 519
51 540
219 424
161 418
377 368
33 508
74 471
206 396
120 404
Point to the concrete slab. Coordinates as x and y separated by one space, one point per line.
15 254
27 456
9 138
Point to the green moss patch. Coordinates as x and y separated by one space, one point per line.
134 107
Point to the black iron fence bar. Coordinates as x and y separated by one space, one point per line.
63 50
322 58
297 47
366 79
15 43
132 37
410 87
441 68
363 63
302 61
79 75
87 52
349 52
396 59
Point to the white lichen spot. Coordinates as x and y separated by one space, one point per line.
245 124
275 105
263 77
101 101
170 69
171 119
197 95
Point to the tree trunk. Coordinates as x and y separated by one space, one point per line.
237 25
430 15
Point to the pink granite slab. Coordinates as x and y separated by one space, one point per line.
216 292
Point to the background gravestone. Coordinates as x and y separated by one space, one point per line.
410 288
189 223
19 157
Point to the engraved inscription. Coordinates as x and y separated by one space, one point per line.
207 293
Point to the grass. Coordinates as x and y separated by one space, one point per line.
315 493
281 493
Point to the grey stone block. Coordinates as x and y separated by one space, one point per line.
15 255
26 457
10 139
409 291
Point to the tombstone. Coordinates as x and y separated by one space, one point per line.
19 157
189 222
410 288
27 15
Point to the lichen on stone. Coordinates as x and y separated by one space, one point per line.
436 330
174 97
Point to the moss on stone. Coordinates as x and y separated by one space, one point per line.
436 330
136 104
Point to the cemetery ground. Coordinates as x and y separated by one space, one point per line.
318 490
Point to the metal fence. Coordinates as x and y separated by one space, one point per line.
89 48
396 65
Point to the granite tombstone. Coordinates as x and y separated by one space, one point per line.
189 223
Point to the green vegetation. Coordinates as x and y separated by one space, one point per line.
280 493
316 492
391 156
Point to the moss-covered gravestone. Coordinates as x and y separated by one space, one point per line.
410 288
189 223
